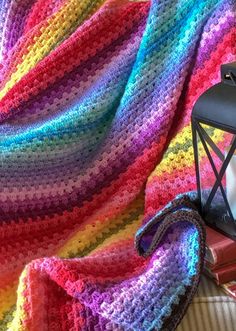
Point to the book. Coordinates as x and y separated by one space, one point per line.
230 288
223 274
220 250
214 267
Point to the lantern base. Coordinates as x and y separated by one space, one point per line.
218 219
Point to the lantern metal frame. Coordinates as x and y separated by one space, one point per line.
226 224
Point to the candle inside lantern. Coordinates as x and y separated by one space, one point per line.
231 184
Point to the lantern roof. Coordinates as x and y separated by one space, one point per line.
217 105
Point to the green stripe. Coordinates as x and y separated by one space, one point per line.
7 318
126 221
186 145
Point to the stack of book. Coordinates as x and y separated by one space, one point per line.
220 260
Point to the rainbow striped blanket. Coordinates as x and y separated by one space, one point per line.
95 139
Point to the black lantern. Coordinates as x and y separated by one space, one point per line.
214 142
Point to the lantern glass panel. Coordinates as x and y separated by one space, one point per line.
217 188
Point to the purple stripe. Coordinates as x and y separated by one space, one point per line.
118 167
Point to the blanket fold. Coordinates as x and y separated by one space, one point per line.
95 141
119 289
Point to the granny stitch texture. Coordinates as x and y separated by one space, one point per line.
95 139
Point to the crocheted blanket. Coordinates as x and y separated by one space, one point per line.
95 139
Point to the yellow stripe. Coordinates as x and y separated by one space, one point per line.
58 27
7 299
20 313
174 161
127 233
95 231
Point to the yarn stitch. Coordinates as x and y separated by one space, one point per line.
95 140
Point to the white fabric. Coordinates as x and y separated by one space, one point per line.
210 310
